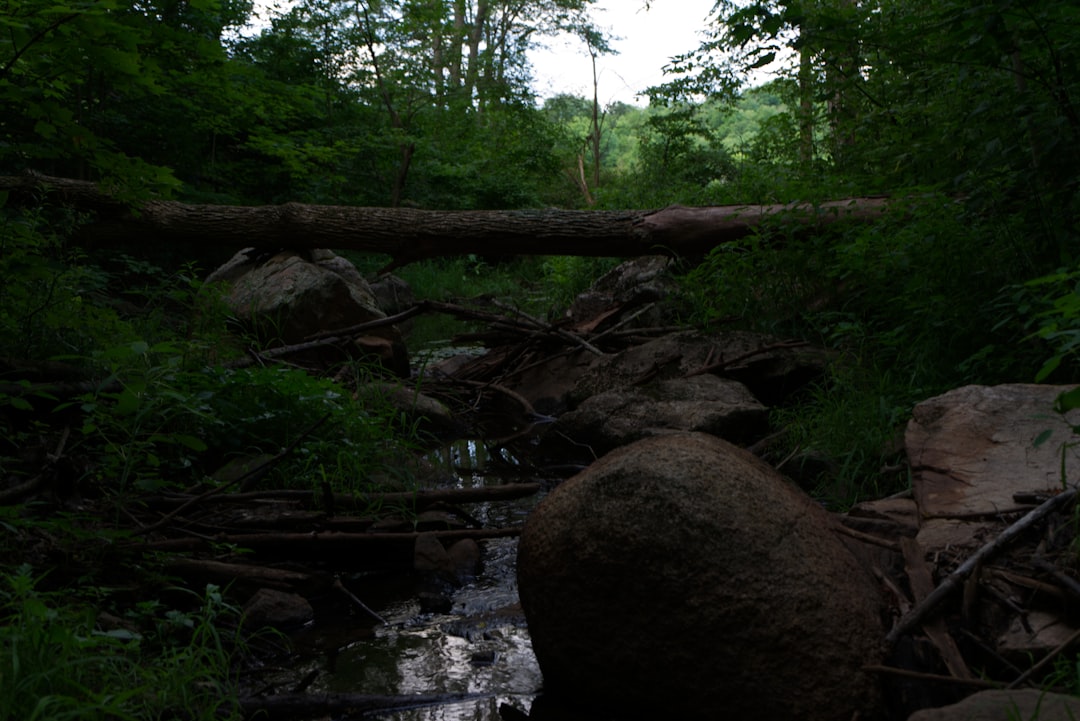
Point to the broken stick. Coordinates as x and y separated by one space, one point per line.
956 578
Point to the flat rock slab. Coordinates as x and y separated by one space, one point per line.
956 535
1013 705
1041 632
973 448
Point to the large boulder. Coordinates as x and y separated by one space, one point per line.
681 577
287 297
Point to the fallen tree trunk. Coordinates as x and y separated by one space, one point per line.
408 234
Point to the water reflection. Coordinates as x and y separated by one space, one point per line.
471 461
481 647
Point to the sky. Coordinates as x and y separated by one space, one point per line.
648 38
644 39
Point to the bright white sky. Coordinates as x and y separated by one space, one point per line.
648 39
645 41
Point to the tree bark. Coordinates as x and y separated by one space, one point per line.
409 235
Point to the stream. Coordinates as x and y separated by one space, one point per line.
476 641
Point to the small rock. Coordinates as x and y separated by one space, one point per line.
290 295
630 284
392 294
277 609
429 554
464 558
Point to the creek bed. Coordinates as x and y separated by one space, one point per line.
476 644
480 647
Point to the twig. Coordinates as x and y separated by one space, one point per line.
306 705
988 650
956 578
371 324
628 319
352 597
1022 678
38 481
866 537
322 542
1068 583
256 472
547 327
414 499
922 583
720 365
893 671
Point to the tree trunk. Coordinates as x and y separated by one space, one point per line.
410 235
806 106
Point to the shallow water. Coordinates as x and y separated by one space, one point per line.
480 646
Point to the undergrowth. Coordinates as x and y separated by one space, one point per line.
57 662
930 297
161 400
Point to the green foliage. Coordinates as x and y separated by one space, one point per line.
922 294
46 305
471 276
336 439
1051 303
845 431
141 416
566 277
156 424
54 663
1065 675
163 412
1066 402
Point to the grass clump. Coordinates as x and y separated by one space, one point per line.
56 663
843 438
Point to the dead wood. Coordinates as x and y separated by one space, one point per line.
1032 584
316 542
551 329
338 586
866 537
1068 583
956 578
264 576
1045 660
244 480
922 585
408 235
417 500
724 364
920 676
294 706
